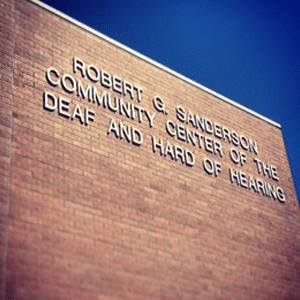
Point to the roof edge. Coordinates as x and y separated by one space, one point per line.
151 61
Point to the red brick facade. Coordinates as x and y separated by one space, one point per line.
123 180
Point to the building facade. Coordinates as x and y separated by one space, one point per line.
121 179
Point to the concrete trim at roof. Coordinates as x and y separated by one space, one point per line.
150 61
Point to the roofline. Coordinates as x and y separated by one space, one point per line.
150 61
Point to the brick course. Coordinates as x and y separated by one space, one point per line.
86 215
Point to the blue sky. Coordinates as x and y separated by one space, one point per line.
246 50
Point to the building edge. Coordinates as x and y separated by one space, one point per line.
150 61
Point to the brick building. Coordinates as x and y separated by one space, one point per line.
121 179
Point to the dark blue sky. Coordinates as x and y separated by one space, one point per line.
246 50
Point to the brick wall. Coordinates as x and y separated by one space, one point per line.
6 105
90 215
